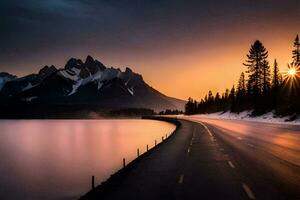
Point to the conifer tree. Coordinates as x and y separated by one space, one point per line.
241 93
232 99
256 62
266 77
217 102
296 51
210 96
241 83
258 76
276 76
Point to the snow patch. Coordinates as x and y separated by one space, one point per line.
131 91
75 87
98 78
30 98
3 80
100 84
70 74
269 117
28 86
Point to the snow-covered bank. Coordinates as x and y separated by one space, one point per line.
246 115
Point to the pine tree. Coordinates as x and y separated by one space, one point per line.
241 84
217 102
232 99
210 96
258 76
217 97
276 76
190 107
256 62
266 82
296 51
241 93
276 82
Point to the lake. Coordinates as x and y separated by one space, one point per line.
55 159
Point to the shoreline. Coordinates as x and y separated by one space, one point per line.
115 177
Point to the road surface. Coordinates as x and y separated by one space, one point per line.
206 160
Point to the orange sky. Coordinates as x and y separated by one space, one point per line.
192 72
181 49
190 69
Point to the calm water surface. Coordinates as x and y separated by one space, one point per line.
55 159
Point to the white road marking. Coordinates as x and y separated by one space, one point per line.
206 129
181 179
188 151
239 138
248 191
230 164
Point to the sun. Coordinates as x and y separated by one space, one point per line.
292 72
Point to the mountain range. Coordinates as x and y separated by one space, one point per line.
80 85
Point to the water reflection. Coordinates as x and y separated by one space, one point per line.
55 159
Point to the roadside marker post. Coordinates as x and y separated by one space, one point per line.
124 163
93 182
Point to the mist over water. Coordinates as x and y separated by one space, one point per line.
55 159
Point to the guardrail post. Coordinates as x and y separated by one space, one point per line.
124 163
138 152
155 143
147 147
93 182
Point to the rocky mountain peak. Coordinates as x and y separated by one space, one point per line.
89 60
93 65
46 71
128 70
85 83
74 63
7 75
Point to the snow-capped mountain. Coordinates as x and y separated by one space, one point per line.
5 77
85 83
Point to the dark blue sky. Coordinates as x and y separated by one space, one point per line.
135 32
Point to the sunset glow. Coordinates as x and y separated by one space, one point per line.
168 43
292 72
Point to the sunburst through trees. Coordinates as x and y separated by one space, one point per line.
261 90
292 73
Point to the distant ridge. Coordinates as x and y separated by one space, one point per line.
82 84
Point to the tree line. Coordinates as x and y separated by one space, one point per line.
260 88
171 112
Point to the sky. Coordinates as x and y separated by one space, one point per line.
183 48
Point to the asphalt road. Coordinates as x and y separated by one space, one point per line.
205 161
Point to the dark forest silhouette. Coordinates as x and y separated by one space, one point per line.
260 88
